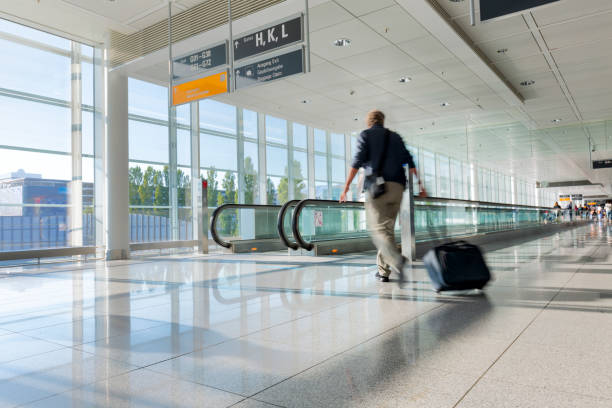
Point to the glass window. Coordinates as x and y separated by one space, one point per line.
34 35
218 152
148 142
320 141
276 159
300 175
251 160
50 131
320 164
249 124
300 139
87 133
429 171
217 116
338 170
443 176
35 71
183 147
337 144
276 130
147 99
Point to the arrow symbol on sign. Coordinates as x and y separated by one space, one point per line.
236 44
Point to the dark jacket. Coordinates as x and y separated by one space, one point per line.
369 147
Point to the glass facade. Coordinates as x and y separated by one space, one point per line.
46 141
47 169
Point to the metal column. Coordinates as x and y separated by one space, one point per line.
407 222
76 184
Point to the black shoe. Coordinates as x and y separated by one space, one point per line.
381 278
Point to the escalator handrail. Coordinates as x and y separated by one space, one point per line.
221 208
479 203
280 224
298 211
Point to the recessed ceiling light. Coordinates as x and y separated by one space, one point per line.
305 101
355 119
421 128
403 80
342 42
528 82
502 51
444 104
455 1
556 120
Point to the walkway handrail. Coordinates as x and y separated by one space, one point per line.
298 211
477 203
280 224
423 200
221 208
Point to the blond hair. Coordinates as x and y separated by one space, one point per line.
375 117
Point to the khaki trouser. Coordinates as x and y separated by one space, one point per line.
381 214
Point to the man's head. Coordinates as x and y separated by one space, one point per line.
375 117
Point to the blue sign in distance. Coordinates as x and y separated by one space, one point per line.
269 69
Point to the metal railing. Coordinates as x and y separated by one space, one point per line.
280 224
234 222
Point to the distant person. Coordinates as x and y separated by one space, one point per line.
570 208
381 212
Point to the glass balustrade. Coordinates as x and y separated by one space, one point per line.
243 222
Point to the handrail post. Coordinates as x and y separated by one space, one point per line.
203 221
407 222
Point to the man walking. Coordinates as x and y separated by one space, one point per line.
383 154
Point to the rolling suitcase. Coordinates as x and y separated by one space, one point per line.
456 266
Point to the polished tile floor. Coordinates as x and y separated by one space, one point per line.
270 330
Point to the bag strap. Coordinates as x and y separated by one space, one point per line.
383 152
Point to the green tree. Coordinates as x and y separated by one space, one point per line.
211 179
147 188
271 192
135 177
298 184
228 221
250 181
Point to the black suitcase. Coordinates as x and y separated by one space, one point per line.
456 266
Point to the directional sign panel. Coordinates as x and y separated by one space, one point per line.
268 38
199 88
602 164
269 69
200 61
496 8
576 197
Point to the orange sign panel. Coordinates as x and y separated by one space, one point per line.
199 88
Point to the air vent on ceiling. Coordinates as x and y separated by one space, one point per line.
196 20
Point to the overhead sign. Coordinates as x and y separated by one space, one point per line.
269 69
199 88
268 38
576 197
200 61
496 8
592 203
602 164
564 197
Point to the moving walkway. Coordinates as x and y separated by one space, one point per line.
328 227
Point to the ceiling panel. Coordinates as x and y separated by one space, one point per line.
426 50
377 62
119 10
362 38
569 10
327 14
492 30
395 24
517 46
591 29
361 7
